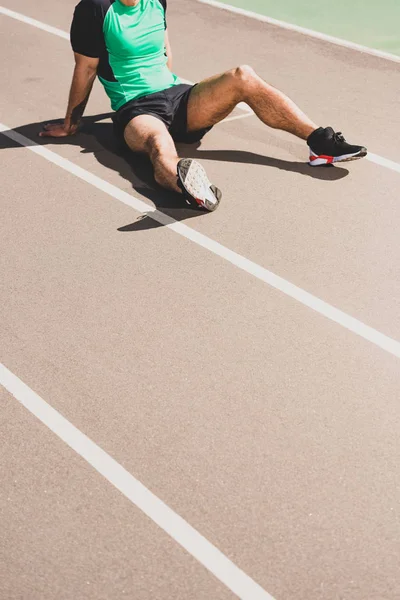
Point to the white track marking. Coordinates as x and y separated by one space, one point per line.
383 162
168 520
34 23
236 117
379 160
305 31
289 289
245 107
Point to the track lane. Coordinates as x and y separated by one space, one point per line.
66 533
206 408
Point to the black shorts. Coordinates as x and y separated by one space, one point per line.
170 106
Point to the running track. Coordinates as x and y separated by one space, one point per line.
199 406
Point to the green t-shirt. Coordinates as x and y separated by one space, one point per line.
130 44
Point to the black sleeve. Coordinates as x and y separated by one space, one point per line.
87 30
164 5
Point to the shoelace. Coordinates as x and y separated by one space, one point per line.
339 137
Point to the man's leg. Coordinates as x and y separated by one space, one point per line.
214 99
149 135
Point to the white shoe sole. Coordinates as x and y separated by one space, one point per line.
316 161
196 183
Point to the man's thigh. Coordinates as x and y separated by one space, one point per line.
144 133
211 101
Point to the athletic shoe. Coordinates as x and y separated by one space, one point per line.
196 187
327 147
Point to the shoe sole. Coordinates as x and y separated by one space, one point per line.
316 161
194 181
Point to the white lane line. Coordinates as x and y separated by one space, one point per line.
168 520
383 162
304 30
245 107
289 289
34 23
379 160
236 117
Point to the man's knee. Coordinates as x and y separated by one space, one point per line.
244 74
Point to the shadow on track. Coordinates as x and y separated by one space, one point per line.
327 172
96 137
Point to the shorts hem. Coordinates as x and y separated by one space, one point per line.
168 106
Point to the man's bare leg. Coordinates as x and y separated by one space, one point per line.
214 99
150 136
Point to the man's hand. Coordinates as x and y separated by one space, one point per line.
82 82
58 130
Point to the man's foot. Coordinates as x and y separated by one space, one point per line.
196 187
327 147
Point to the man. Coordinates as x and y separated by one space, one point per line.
125 42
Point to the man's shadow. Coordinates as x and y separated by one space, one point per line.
97 137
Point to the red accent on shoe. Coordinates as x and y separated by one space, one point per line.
329 159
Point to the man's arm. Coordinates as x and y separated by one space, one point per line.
82 83
168 51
